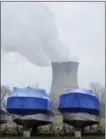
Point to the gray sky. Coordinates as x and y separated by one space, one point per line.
71 30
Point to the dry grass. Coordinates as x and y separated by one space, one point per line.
11 127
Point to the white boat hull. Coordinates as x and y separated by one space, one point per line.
32 120
80 119
3 118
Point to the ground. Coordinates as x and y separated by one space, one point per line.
90 137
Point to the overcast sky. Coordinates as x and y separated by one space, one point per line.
41 33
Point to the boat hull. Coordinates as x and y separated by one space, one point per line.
80 120
33 120
3 117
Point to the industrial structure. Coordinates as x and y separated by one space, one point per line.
64 77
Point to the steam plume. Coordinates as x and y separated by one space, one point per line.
29 28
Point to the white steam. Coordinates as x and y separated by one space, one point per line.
29 28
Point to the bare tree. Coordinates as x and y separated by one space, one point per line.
103 95
5 91
98 90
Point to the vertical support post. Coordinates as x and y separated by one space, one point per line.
77 133
26 132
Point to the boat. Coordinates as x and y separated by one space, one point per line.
79 108
3 115
30 107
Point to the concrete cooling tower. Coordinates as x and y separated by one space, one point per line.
64 77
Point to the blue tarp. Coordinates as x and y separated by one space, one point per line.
80 100
28 101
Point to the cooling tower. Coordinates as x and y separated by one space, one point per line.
64 77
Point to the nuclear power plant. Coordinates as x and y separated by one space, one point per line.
64 78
